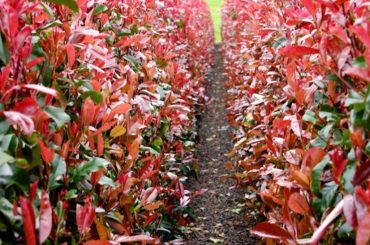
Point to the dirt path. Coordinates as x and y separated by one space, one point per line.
220 213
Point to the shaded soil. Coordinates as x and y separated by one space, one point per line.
220 214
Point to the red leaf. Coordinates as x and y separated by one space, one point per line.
339 162
297 51
313 156
298 203
138 238
24 122
96 176
41 89
87 112
71 53
28 222
357 139
33 190
133 149
363 230
34 62
310 7
47 154
46 222
11 23
149 195
359 72
363 35
15 207
24 42
120 109
362 173
100 144
296 125
84 216
4 76
273 231
27 106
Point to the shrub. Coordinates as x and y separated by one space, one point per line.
298 95
98 103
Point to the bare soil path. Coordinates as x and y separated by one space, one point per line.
220 214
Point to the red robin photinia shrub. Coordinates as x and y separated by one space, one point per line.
299 98
98 103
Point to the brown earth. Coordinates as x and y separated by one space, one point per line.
221 216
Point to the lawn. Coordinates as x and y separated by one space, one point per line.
215 7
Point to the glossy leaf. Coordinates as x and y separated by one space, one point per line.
268 230
85 216
137 238
68 3
363 232
297 51
58 115
46 222
28 221
118 131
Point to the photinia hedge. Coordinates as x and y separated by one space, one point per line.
97 115
299 98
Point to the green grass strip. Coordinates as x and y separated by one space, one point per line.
215 7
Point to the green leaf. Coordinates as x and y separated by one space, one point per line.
360 62
5 158
323 136
48 10
329 113
329 191
6 173
4 127
346 231
58 115
21 178
316 174
94 95
347 177
124 33
164 127
367 148
83 83
68 3
133 61
354 98
58 169
6 208
279 43
83 170
318 208
4 52
9 143
310 116
52 24
134 29
104 180
157 144
99 9
333 77
71 194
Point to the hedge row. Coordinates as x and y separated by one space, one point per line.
299 97
98 103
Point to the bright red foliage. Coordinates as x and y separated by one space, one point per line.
98 109
298 95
